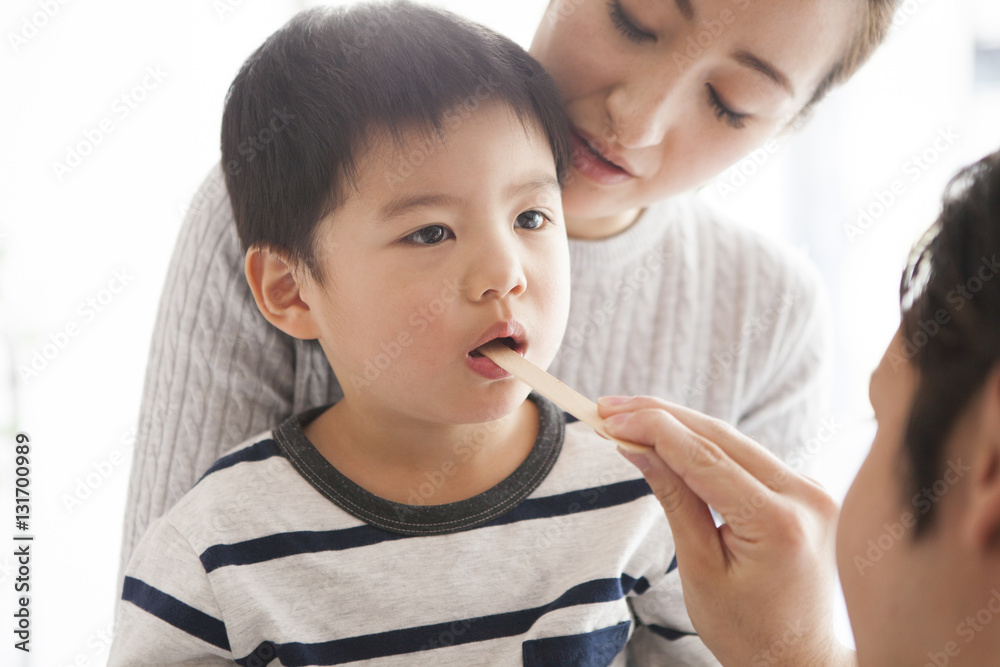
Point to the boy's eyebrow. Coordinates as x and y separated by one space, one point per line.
534 184
404 203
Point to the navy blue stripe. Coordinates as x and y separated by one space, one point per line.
427 637
170 610
569 418
628 583
641 585
669 633
596 648
259 451
280 545
573 502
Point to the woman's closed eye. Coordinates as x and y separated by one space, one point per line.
627 26
734 119
429 235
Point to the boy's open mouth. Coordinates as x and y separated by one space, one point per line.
507 340
507 332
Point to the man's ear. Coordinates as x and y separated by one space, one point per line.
984 500
277 291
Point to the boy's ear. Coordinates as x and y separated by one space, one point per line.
984 500
277 292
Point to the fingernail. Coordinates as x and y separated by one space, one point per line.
614 400
638 460
614 421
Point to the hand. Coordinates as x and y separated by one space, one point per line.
759 588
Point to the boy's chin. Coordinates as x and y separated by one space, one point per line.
495 404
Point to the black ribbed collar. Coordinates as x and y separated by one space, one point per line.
424 519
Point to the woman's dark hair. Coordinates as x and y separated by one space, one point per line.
874 27
307 102
952 327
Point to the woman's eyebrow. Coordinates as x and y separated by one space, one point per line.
767 69
744 58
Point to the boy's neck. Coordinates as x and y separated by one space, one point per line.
414 462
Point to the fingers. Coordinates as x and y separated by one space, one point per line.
696 538
704 467
743 451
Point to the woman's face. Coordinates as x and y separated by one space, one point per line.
662 95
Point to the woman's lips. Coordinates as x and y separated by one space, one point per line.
593 166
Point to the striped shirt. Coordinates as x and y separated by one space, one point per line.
276 558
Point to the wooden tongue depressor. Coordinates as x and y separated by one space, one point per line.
553 389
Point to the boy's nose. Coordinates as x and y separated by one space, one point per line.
496 273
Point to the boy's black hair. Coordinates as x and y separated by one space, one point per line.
952 328
307 102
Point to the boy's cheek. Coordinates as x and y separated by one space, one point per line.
429 309
418 323
554 289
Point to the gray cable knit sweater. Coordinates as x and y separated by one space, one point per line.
683 305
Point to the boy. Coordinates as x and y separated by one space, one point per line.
395 176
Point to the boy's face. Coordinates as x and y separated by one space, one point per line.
443 246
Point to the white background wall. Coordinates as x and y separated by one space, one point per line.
64 237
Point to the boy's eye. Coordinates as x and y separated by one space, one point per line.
531 220
430 235
732 118
627 26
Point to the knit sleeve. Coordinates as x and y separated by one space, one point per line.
217 371
789 397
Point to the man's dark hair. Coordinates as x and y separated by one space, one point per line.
309 100
952 328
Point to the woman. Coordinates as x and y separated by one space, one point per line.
919 536
668 298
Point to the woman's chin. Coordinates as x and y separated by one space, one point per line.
591 212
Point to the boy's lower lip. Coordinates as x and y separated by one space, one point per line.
592 166
485 367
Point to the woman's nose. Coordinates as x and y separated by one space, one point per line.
648 98
638 116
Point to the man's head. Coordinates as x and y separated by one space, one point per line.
919 536
411 209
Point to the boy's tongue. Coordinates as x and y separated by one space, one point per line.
509 342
